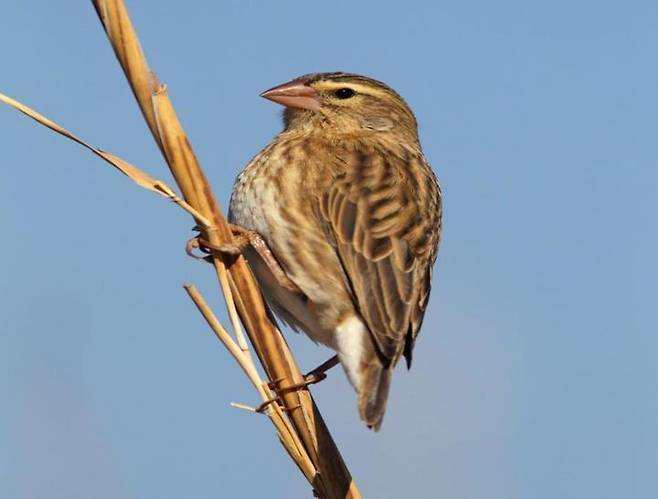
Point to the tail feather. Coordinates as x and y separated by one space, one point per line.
373 393
368 372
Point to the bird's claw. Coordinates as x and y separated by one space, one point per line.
261 408
309 379
242 239
192 245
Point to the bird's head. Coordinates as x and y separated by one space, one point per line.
342 103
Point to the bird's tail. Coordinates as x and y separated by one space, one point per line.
373 393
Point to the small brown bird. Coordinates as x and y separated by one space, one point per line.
351 212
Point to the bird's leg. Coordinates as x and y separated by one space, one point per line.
319 373
310 378
243 239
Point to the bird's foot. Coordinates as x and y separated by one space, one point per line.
310 378
261 408
244 238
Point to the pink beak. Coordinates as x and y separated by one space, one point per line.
294 94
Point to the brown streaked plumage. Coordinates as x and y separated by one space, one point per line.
352 212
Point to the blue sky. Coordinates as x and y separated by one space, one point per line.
535 372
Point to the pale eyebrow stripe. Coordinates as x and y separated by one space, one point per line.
358 87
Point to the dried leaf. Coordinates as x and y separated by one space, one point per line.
138 176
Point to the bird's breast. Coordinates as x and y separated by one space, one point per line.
255 201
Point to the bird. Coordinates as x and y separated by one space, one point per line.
351 212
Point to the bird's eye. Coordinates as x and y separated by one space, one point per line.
344 93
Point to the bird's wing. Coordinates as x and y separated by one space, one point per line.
384 213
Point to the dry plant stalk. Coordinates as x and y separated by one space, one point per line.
301 428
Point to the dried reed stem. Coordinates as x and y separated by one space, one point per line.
291 442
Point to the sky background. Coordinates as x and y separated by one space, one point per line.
535 374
